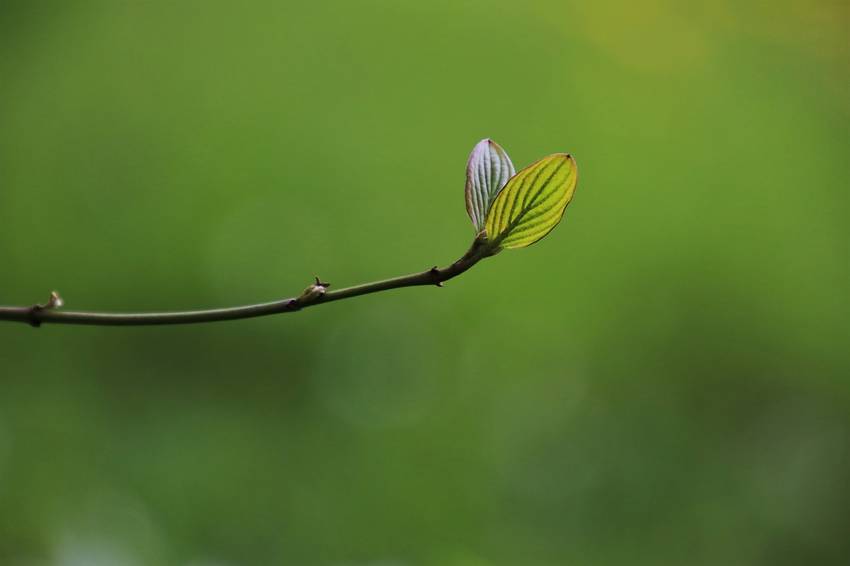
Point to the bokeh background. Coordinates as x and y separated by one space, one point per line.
665 379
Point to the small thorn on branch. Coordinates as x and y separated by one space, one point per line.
435 273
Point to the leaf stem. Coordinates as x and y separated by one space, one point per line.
37 315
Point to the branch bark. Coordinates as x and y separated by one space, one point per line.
49 313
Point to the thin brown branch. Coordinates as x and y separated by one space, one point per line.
316 294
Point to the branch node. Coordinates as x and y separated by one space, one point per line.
312 293
54 302
33 315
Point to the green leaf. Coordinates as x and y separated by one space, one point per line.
487 171
533 202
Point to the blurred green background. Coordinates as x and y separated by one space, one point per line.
664 380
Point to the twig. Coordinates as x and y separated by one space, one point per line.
315 294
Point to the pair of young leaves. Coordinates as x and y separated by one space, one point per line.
513 209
